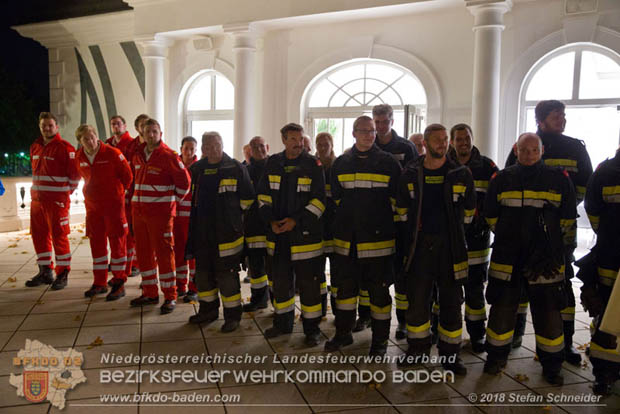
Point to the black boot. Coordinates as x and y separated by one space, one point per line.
457 367
61 280
493 366
45 276
401 331
571 355
206 314
378 349
337 342
361 324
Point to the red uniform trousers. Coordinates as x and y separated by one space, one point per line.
102 226
183 267
155 248
130 242
49 225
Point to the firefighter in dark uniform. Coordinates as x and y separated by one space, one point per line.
436 200
325 153
221 193
599 269
364 189
462 151
255 232
531 208
404 151
571 155
291 197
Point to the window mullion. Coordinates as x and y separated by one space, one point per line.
576 75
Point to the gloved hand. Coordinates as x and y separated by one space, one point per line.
591 300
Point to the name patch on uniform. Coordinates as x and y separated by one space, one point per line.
433 179
83 164
49 158
210 171
153 170
35 157
289 168
121 157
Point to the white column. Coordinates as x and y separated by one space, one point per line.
154 55
244 50
488 27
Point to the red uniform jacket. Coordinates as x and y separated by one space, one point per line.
122 145
54 171
184 205
106 179
159 182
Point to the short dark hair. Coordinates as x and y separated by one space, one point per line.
139 118
383 109
544 108
432 128
460 127
48 115
151 121
119 117
290 127
189 139
359 119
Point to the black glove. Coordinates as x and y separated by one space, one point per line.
591 300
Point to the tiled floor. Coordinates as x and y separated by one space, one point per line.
66 319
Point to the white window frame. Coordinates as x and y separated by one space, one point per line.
204 115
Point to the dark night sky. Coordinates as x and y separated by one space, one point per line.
24 63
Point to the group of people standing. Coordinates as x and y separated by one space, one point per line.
417 215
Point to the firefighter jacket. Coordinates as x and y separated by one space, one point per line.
330 212
602 205
478 234
123 143
520 201
403 150
184 204
158 181
567 153
235 195
364 190
255 228
105 179
459 199
306 186
54 171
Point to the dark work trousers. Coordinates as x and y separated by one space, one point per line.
475 310
283 272
400 298
432 264
546 302
374 273
215 275
258 276
603 355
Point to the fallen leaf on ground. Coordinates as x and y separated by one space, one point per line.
584 365
97 342
193 302
535 357
77 318
522 377
84 237
250 314
582 347
80 231
40 302
12 245
547 408
12 279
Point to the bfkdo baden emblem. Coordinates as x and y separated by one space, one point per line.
36 385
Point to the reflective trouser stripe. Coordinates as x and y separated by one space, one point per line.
231 301
259 282
167 280
401 301
364 298
597 351
450 337
346 304
419 331
523 307
550 345
323 288
381 313
499 339
333 290
435 308
284 307
568 314
310 312
475 314
208 296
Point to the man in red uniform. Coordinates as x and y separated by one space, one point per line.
106 175
181 226
160 177
132 260
54 177
121 138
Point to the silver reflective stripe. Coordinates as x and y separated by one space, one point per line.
306 255
119 260
64 256
613 198
342 250
274 186
314 210
477 260
50 188
511 202
117 268
145 199
375 253
46 254
183 214
303 187
54 179
168 284
100 266
100 259
225 188
148 272
185 203
149 187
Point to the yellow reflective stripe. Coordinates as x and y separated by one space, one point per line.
410 186
481 183
611 190
377 309
594 219
433 179
228 181
265 198
282 305
458 189
550 342
274 178
304 181
328 187
313 308
499 337
478 253
450 334
342 243
470 213
255 239
208 293
271 245
542 195
400 296
306 248
611 274
348 301
567 222
231 298
596 347
459 266
580 189
561 162
491 221
364 177
402 210
261 279
420 328
346 177
472 311
247 203
501 267
569 310
318 204
393 201
233 244
509 194
376 245
337 202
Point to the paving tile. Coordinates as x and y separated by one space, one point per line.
26 409
247 327
476 380
517 402
280 398
54 306
10 323
93 406
52 321
444 406
154 332
330 397
185 404
92 355
414 386
111 334
58 338
294 342
21 294
181 314
609 404
128 316
533 371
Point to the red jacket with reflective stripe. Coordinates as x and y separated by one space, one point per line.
54 171
106 179
184 205
159 182
122 145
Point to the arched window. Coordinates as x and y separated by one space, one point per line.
209 104
344 92
586 78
